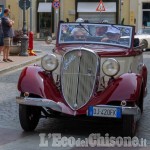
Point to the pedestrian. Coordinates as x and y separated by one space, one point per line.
1 37
7 24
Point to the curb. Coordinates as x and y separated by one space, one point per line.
5 70
16 66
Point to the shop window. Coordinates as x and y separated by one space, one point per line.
44 18
45 24
146 14
146 6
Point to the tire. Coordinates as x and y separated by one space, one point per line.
29 117
141 106
129 125
141 101
145 43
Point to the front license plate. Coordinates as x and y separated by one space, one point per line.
111 112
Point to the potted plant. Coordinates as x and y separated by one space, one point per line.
17 37
16 47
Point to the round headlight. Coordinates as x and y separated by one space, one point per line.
49 62
111 67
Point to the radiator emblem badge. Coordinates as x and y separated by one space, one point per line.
68 61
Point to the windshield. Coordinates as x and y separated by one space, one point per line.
95 33
144 31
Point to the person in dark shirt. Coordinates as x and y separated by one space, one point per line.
1 38
7 24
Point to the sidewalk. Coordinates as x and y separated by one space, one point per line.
40 48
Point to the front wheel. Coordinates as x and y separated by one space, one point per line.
129 125
29 117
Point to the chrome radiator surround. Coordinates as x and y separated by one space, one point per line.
79 71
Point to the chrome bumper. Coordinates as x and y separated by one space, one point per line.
132 111
54 106
39 102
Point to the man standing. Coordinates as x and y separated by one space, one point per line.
7 32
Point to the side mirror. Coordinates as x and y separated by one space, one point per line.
48 40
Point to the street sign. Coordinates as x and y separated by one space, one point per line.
21 3
56 4
100 6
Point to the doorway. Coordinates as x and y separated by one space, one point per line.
45 24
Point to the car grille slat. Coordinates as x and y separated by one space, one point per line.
78 77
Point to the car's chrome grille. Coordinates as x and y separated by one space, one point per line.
78 76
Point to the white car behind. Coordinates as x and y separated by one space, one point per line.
144 36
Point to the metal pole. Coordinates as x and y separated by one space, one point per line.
61 10
30 15
24 39
30 45
100 16
56 20
120 11
24 18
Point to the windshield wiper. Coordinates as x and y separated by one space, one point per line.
115 27
81 25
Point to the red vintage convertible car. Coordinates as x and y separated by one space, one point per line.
95 71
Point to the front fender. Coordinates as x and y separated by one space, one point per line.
35 81
126 87
144 73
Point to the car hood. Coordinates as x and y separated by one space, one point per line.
100 49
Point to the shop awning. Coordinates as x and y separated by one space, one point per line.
45 7
91 6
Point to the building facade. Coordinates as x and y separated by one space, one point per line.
45 18
142 13
86 9
136 13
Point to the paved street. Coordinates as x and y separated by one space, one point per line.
110 28
40 48
12 136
